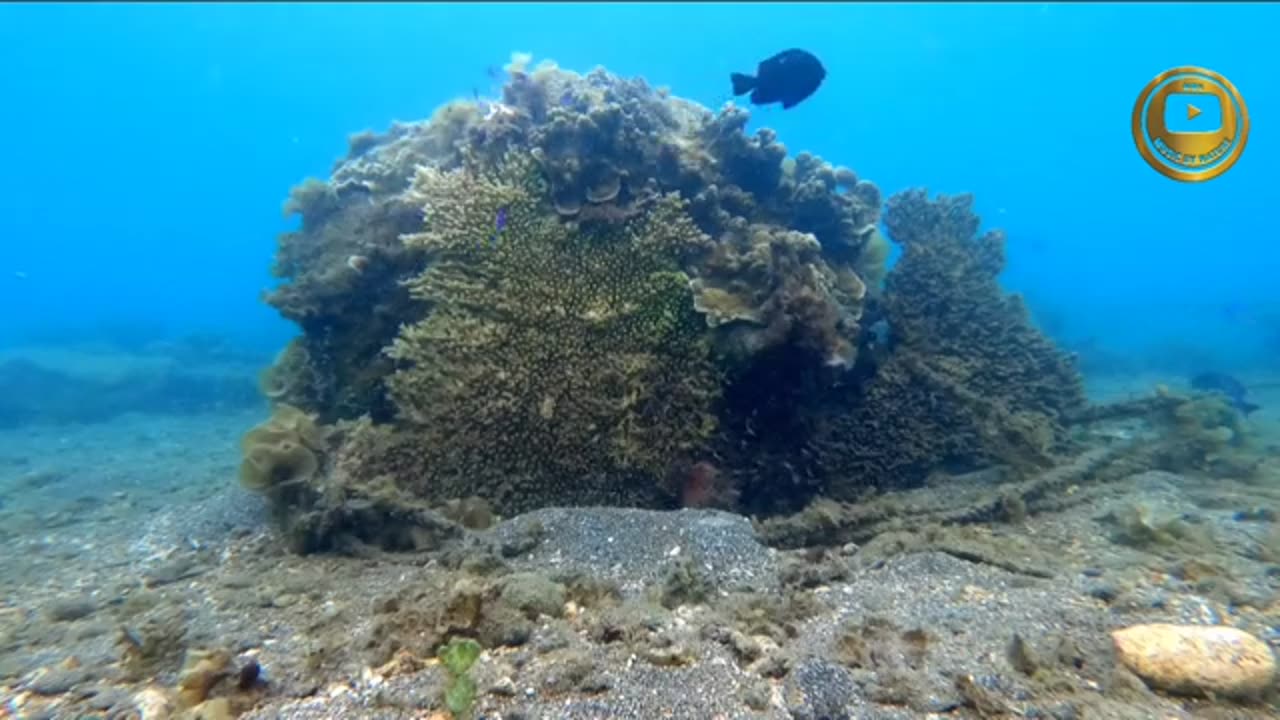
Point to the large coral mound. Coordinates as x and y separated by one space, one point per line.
593 291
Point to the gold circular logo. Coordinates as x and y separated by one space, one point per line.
1190 124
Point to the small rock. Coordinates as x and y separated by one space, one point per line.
109 698
594 683
774 665
215 709
90 630
153 704
58 680
172 571
745 648
1106 592
670 656
238 581
200 672
504 687
1196 659
68 609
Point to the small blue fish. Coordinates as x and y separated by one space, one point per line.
499 224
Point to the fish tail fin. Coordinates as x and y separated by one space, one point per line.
742 84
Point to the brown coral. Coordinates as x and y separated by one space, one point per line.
281 451
764 287
608 146
569 357
969 379
659 275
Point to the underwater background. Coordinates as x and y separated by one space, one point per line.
152 144
479 361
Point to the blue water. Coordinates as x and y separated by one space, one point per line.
148 147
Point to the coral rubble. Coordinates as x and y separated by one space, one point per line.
591 291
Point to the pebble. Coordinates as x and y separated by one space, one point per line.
1105 592
172 571
152 703
67 609
110 698
57 681
1196 659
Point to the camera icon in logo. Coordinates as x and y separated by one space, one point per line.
1190 124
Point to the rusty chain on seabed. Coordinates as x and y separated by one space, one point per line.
977 498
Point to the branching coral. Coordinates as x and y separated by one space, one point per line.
555 354
943 300
969 379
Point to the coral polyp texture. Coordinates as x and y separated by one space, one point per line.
559 358
969 380
592 292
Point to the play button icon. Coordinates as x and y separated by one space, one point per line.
1192 113
1190 124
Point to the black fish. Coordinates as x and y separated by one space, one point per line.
1227 386
788 77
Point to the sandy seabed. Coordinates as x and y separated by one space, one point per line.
129 550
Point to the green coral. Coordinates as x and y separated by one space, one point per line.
564 355
457 657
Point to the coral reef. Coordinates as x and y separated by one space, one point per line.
591 291
554 351
967 377
1205 433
